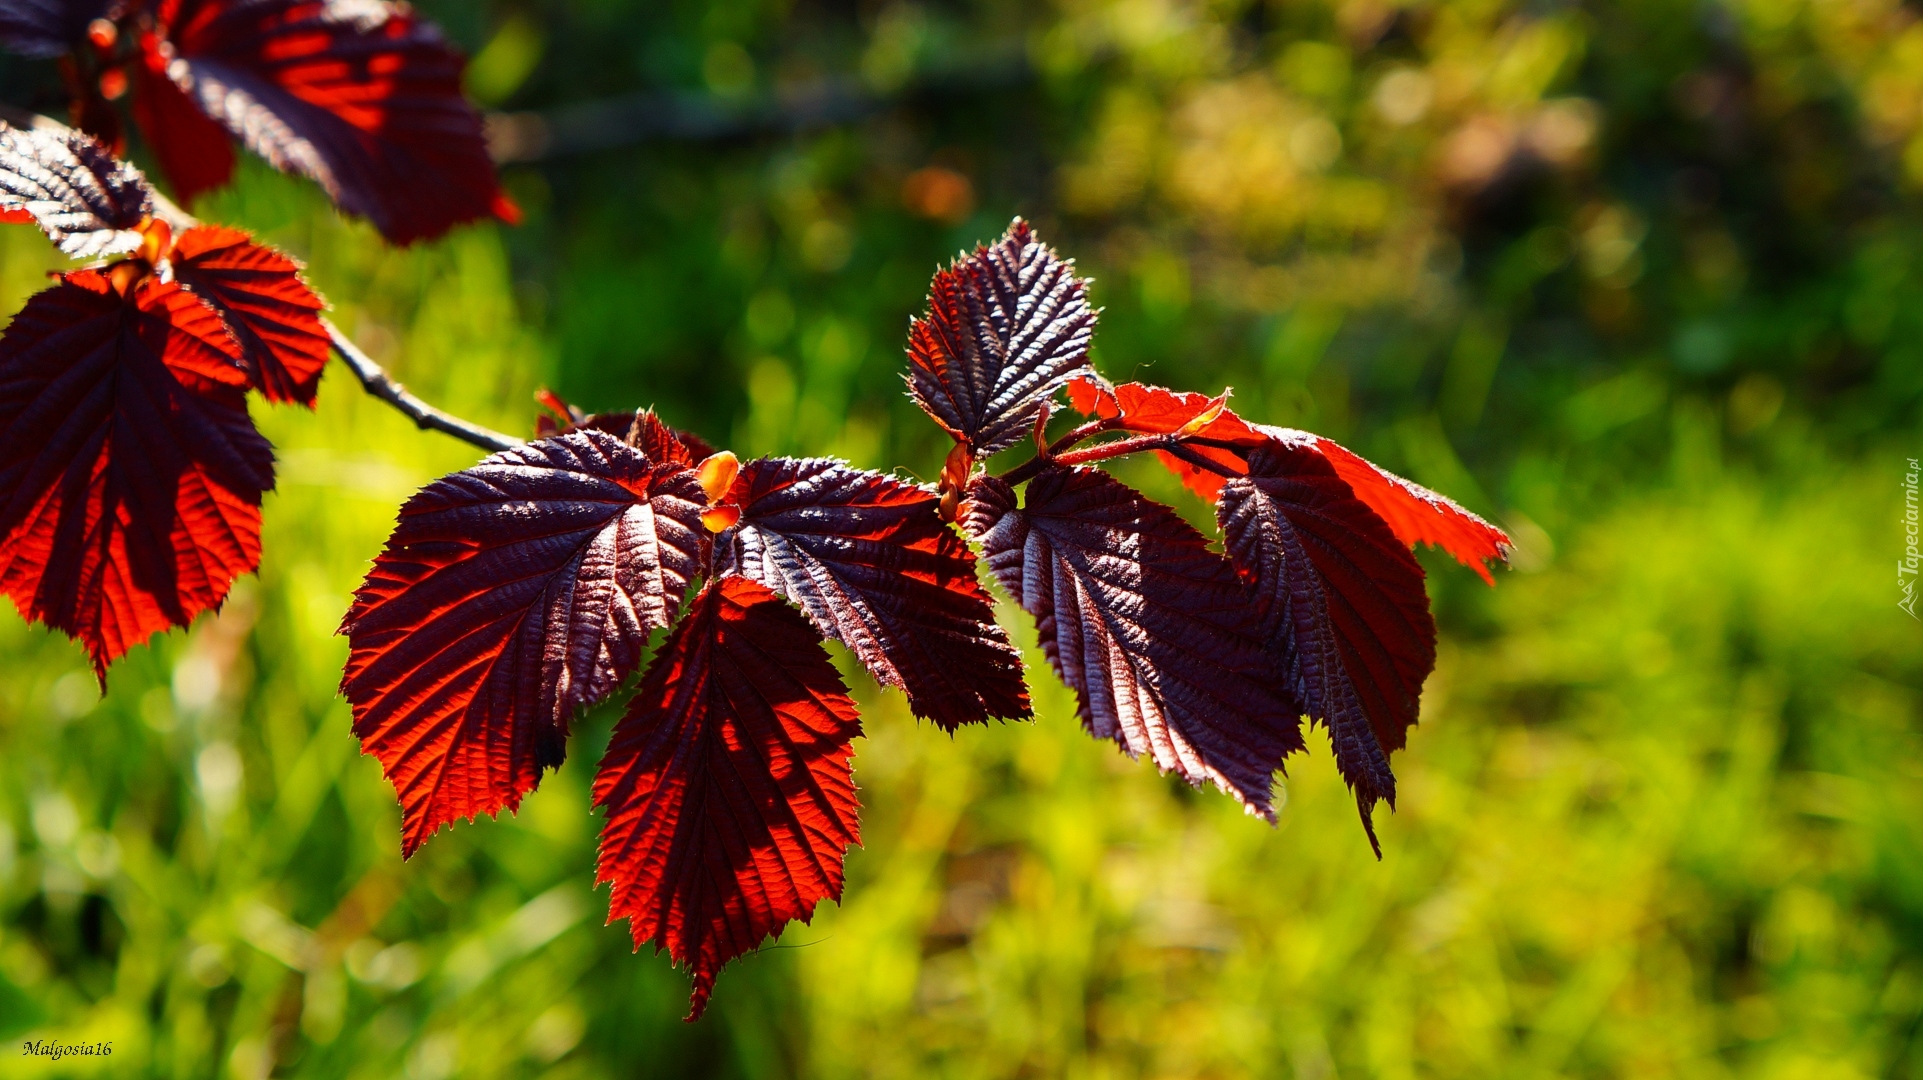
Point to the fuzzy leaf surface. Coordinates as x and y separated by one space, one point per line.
1160 640
363 97
1006 327
273 313
727 784
510 595
1343 606
131 499
869 559
86 201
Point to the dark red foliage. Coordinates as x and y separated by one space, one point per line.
1155 633
1152 409
509 595
870 561
1416 514
727 785
641 429
271 311
365 98
1343 605
44 28
1005 328
195 153
88 203
130 495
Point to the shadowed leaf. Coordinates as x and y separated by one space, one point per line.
641 429
1006 327
510 595
270 309
871 562
44 28
1155 633
727 786
131 498
363 97
1343 606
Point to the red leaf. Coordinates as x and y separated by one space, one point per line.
1154 410
195 153
1413 512
1343 604
1005 328
510 595
1417 514
729 795
1158 637
272 312
870 561
86 201
46 28
130 499
365 98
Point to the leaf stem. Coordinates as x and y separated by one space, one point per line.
377 382
1058 454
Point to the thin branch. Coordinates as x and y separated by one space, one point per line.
376 381
1172 442
588 126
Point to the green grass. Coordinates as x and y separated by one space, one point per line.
1661 816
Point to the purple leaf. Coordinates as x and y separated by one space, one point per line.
1005 328
871 562
1343 604
1158 637
46 28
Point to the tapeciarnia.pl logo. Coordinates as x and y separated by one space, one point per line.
54 1050
1906 567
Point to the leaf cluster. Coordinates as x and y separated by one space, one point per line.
514 594
517 592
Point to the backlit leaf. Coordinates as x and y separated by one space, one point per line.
1413 512
510 595
362 96
1418 515
727 785
1344 607
872 563
1160 640
1006 327
130 497
87 202
1153 409
196 154
270 309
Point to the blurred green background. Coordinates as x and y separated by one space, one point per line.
1643 281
